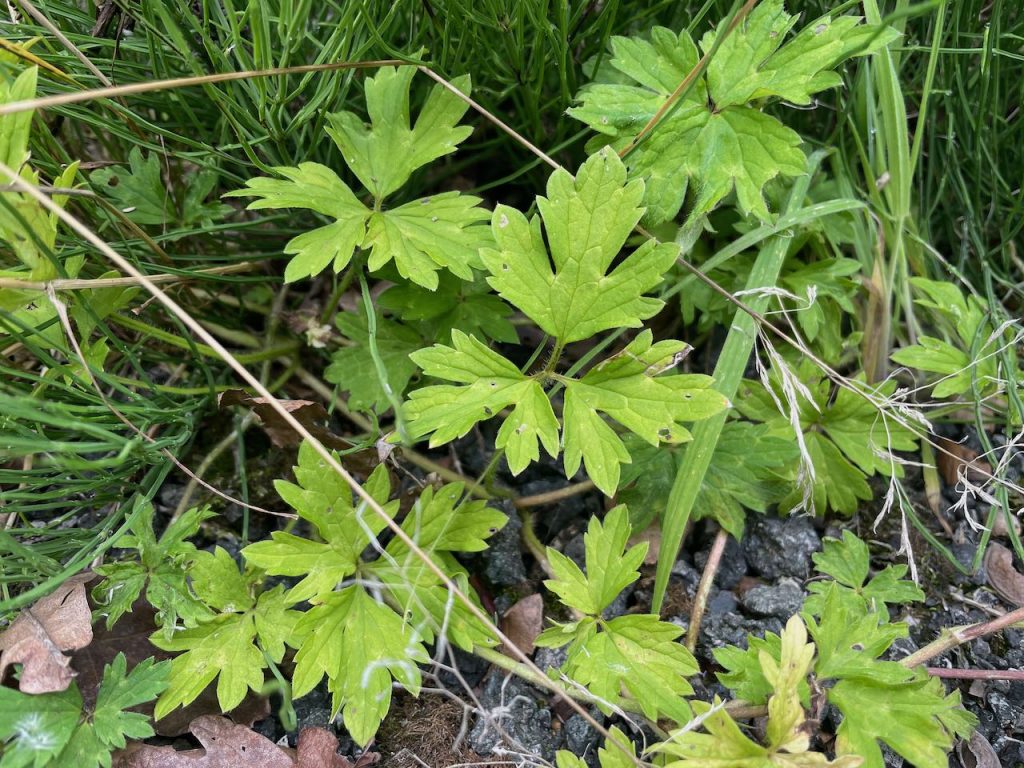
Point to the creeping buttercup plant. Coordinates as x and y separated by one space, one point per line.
438 292
389 595
557 268
421 237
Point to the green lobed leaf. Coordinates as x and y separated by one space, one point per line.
232 646
846 437
629 389
140 193
571 294
851 640
384 154
36 729
359 673
112 722
847 561
640 654
324 499
611 567
160 569
490 383
352 367
716 139
915 719
316 188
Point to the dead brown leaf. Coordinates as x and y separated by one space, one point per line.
226 745
954 457
311 415
317 748
1003 576
59 622
976 752
524 621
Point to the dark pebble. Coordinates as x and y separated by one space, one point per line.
780 600
776 547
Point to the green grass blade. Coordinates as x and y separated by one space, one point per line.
728 374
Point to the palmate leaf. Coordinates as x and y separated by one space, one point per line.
627 388
160 570
916 719
636 653
724 745
847 561
360 645
421 237
324 499
141 194
847 438
490 383
717 139
571 294
610 566
440 523
53 730
229 648
639 654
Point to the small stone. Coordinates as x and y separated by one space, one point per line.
722 602
781 600
732 567
503 556
580 736
513 706
777 547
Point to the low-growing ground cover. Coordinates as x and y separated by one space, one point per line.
450 383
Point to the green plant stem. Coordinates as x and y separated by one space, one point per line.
245 358
728 374
534 545
409 454
553 497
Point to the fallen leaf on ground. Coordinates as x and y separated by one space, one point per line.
954 458
226 745
311 415
1003 576
317 748
59 622
976 752
524 621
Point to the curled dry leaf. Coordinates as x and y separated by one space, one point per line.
1003 576
954 458
59 622
226 745
311 415
976 752
524 621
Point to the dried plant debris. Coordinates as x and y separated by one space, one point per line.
37 639
227 745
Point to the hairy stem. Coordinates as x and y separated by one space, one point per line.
707 578
951 638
